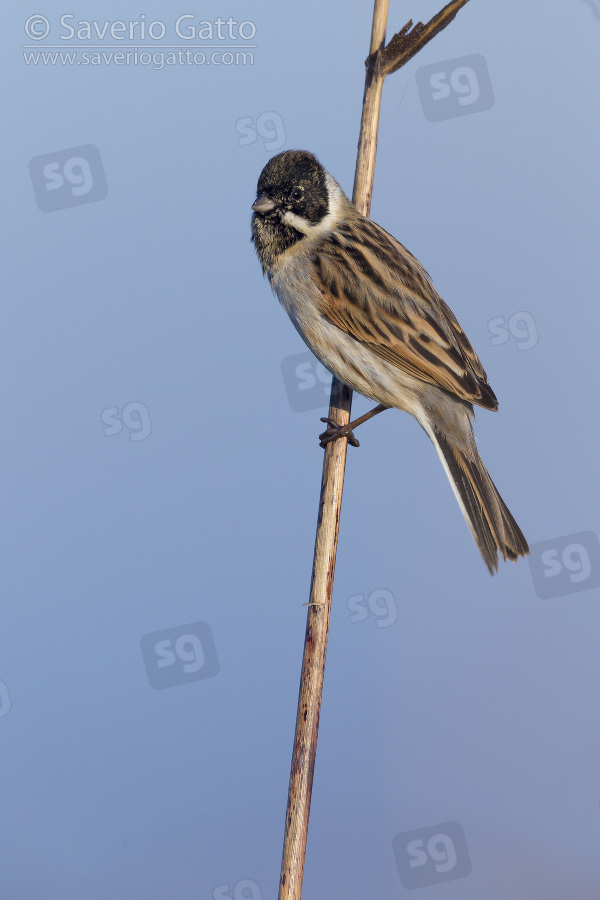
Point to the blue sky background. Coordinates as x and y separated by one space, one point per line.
156 474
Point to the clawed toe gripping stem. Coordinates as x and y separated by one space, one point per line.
336 431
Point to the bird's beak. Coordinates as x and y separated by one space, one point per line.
263 204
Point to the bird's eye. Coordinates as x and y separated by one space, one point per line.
297 194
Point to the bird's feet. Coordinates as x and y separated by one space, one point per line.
336 431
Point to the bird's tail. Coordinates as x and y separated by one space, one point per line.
486 513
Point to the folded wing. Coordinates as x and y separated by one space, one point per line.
376 291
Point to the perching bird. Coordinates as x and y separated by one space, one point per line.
369 312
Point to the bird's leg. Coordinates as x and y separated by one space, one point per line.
336 431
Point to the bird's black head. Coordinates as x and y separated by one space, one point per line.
293 181
291 198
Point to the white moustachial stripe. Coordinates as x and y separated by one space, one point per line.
336 206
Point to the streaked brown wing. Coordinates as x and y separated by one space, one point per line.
377 292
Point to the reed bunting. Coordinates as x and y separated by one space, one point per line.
369 312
